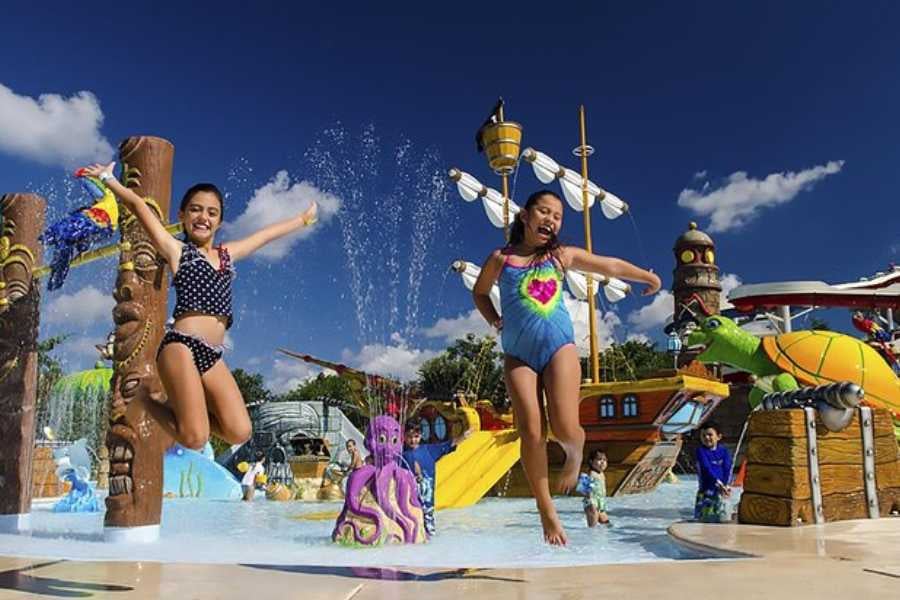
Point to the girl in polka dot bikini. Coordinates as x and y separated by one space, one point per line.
202 394
539 341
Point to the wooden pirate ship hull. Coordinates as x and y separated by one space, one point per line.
638 425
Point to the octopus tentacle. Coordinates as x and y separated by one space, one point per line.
357 486
408 500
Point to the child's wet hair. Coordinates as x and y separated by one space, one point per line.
412 427
711 425
203 187
517 231
595 454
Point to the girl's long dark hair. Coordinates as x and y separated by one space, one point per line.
193 191
203 187
517 231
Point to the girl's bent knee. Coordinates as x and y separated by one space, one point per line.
239 434
195 440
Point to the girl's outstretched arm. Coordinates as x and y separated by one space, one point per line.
581 259
239 249
481 291
162 240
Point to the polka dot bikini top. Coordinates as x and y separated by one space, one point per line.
200 287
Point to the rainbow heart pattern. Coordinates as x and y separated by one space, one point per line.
541 290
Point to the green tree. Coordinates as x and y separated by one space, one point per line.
334 390
49 372
253 390
632 360
337 389
471 364
252 386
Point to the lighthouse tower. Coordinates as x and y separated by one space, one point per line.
696 276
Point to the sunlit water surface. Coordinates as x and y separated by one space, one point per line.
494 533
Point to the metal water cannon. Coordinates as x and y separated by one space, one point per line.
835 402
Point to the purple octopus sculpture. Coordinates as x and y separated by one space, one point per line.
382 501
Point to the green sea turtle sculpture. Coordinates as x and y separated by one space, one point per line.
788 361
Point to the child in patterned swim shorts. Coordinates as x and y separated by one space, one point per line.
714 476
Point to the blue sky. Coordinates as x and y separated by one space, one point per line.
774 124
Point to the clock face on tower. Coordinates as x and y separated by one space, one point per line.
710 257
687 256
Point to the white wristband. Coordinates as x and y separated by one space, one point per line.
106 176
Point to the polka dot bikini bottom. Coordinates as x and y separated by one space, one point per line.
205 354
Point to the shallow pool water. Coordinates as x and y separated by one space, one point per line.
495 532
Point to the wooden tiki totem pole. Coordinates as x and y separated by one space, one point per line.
20 251
135 441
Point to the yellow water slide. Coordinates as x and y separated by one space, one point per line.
465 475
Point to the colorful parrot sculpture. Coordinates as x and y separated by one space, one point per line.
81 229
870 328
878 337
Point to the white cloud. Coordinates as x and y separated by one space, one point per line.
85 307
459 327
606 324
728 281
83 346
278 200
397 361
79 352
700 174
741 198
288 374
654 314
638 337
53 130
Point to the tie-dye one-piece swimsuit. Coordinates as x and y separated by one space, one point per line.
535 321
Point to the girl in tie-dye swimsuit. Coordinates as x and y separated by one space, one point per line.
536 323
539 341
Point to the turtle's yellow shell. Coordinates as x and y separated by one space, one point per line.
820 357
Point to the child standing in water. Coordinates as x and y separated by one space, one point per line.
421 460
252 476
594 502
714 475
539 341
202 394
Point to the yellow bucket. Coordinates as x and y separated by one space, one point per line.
501 145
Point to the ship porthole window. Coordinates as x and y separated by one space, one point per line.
440 428
630 406
607 407
425 429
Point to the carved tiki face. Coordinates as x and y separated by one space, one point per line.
139 315
136 316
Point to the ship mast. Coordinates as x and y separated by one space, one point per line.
583 151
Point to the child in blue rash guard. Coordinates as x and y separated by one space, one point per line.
714 475
421 459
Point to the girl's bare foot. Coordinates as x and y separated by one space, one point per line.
569 476
554 534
